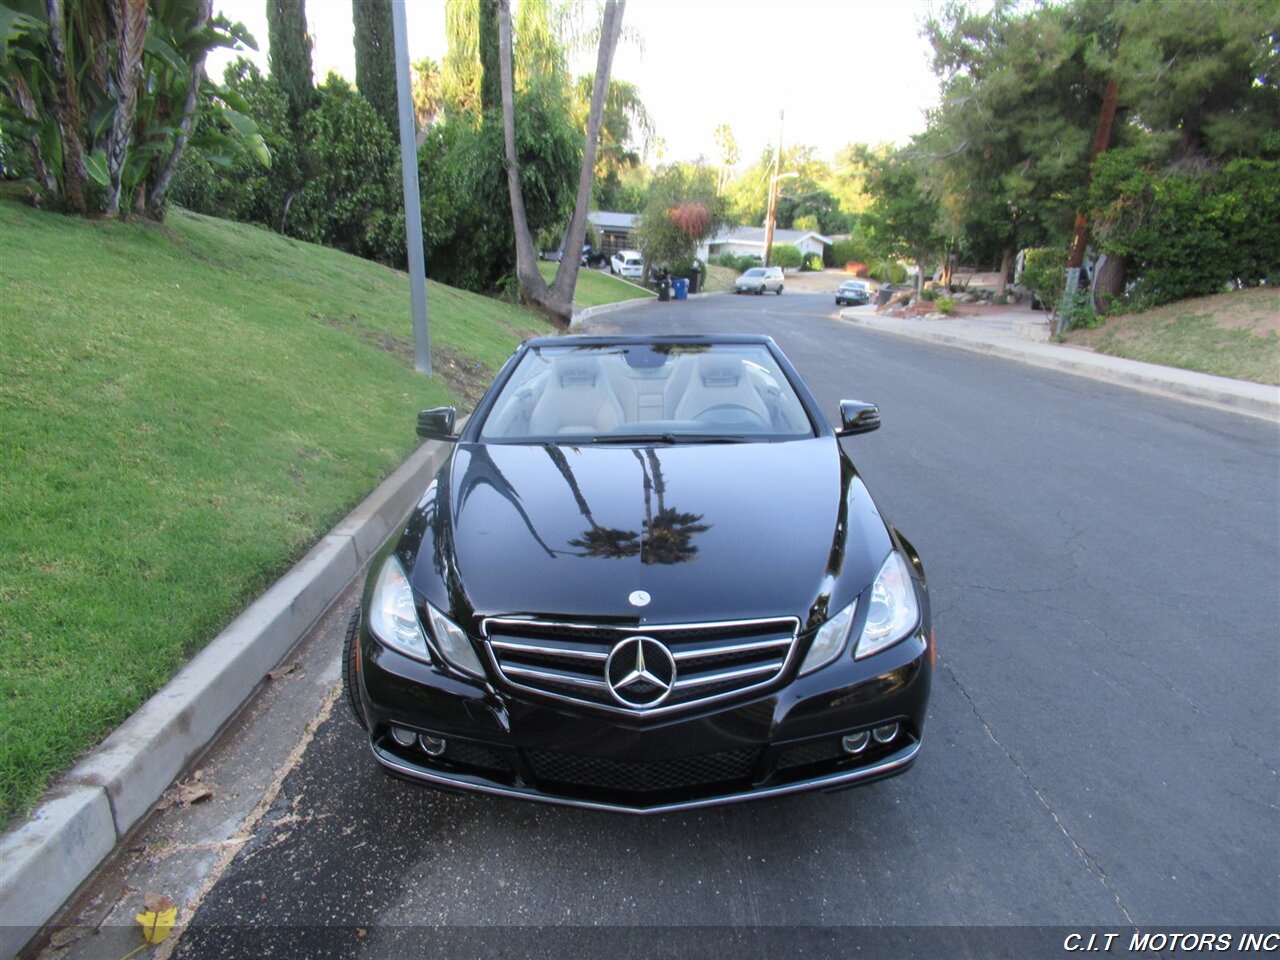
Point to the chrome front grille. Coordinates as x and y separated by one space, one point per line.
712 661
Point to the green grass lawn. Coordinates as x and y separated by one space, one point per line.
1234 334
596 287
184 410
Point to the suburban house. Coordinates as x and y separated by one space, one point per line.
615 230
750 240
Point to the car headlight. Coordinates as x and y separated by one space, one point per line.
893 611
392 616
452 643
830 640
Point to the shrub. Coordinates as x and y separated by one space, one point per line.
1189 230
736 261
1044 274
786 255
812 262
888 271
946 305
1077 311
850 250
929 293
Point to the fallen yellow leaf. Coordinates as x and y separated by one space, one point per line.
157 918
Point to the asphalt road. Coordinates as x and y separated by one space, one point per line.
1102 745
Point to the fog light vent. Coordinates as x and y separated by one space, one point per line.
431 746
403 737
856 742
886 733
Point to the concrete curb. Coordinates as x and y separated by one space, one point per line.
92 808
1237 396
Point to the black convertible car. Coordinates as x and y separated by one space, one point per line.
647 578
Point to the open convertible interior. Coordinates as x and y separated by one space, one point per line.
605 392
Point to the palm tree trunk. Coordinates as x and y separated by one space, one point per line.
567 273
557 301
160 187
68 108
131 34
532 285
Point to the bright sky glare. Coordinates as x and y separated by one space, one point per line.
843 71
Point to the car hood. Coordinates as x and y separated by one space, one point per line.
710 531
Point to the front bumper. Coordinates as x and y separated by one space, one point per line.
786 740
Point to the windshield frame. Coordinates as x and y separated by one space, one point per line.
809 422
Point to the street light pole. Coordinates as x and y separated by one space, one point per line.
412 205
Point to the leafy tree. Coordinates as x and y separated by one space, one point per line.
375 59
289 54
682 209
460 72
903 215
105 105
490 71
727 144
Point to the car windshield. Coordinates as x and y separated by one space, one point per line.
647 393
754 272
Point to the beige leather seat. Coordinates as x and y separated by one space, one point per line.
577 399
717 382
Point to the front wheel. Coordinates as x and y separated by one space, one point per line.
351 667
779 289
760 291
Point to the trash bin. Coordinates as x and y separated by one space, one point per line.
682 288
664 290
695 280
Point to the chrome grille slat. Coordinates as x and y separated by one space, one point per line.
566 660
721 676
567 651
555 676
692 653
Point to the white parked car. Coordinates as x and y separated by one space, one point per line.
759 279
627 263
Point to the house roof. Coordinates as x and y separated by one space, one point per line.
754 236
608 219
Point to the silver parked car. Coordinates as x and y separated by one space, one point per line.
759 279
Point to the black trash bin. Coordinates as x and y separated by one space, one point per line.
664 290
695 280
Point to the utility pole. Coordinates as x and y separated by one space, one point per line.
412 204
773 196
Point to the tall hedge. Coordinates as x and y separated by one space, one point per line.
289 54
1188 230
376 58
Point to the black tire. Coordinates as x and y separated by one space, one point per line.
779 289
760 290
351 670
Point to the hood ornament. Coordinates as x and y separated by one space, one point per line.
639 598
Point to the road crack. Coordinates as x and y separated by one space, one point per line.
1091 862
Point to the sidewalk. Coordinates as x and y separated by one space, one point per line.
1023 334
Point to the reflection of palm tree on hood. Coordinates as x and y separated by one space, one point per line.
668 534
481 471
597 541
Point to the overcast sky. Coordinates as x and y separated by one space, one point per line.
842 70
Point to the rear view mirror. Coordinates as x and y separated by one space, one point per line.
437 423
856 417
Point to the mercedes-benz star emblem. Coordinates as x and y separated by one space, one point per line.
640 672
639 598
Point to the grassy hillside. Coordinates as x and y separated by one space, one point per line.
184 410
596 287
1234 334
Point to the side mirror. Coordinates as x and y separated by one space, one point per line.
437 423
856 417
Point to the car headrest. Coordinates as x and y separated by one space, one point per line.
577 371
720 371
